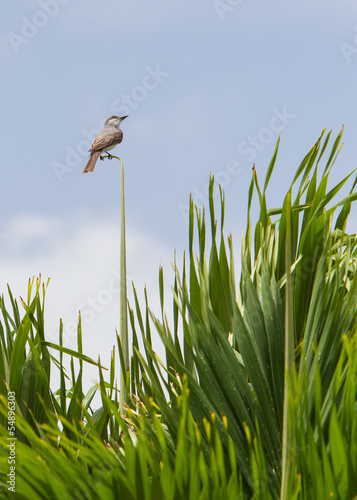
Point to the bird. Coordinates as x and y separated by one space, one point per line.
105 140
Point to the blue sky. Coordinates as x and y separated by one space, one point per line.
207 84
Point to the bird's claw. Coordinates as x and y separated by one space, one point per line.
110 157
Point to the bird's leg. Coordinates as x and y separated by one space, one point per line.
108 156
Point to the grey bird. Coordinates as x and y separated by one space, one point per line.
105 140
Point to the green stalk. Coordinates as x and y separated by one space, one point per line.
288 445
123 325
123 301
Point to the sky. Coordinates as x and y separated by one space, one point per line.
208 86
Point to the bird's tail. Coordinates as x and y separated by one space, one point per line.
91 162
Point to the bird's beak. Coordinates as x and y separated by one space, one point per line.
123 117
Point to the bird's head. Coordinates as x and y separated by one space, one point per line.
115 121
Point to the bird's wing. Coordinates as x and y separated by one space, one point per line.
103 141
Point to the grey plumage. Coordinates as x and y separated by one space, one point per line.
105 140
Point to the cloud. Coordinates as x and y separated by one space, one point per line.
80 254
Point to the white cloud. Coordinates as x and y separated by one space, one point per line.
81 256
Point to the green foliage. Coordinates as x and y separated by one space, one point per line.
208 422
140 465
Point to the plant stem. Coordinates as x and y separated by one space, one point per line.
288 445
123 302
